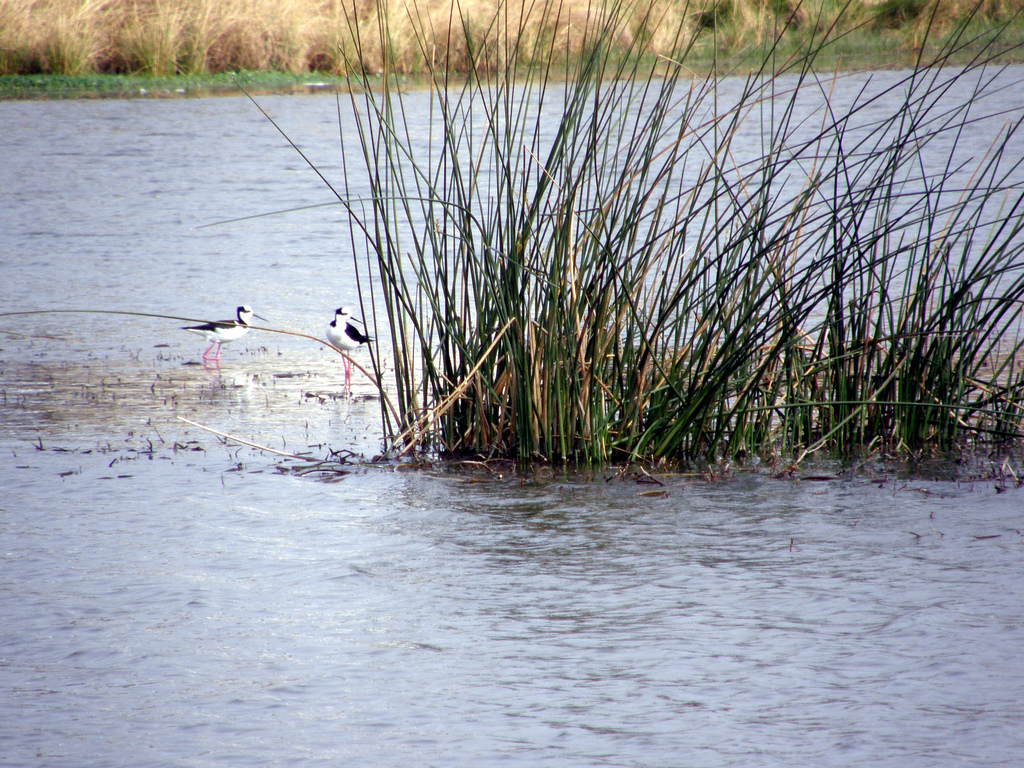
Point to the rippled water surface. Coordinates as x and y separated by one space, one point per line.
168 599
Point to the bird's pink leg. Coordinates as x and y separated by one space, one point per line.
348 373
206 354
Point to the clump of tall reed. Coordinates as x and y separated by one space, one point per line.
166 37
636 264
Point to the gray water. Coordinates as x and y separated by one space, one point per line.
169 599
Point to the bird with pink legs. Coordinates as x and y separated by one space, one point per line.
221 332
346 337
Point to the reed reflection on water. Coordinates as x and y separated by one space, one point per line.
171 600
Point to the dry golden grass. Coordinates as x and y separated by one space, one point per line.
164 37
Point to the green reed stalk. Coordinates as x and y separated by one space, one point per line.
601 269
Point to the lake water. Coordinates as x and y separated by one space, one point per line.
169 599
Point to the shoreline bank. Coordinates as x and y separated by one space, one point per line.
270 82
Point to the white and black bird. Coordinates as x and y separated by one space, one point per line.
345 337
223 331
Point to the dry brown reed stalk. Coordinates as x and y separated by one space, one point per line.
75 37
373 379
413 436
242 441
68 38
151 37
943 14
17 37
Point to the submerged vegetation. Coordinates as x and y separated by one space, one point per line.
162 38
637 264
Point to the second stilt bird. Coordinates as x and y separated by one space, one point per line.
345 336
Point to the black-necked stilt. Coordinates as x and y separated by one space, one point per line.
223 331
345 337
